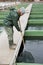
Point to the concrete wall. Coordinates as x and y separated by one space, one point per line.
36 0
5 0
20 0
30 0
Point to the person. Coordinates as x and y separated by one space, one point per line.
12 20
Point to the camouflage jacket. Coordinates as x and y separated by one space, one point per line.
12 18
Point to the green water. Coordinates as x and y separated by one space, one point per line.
32 52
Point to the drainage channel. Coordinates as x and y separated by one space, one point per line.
33 47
